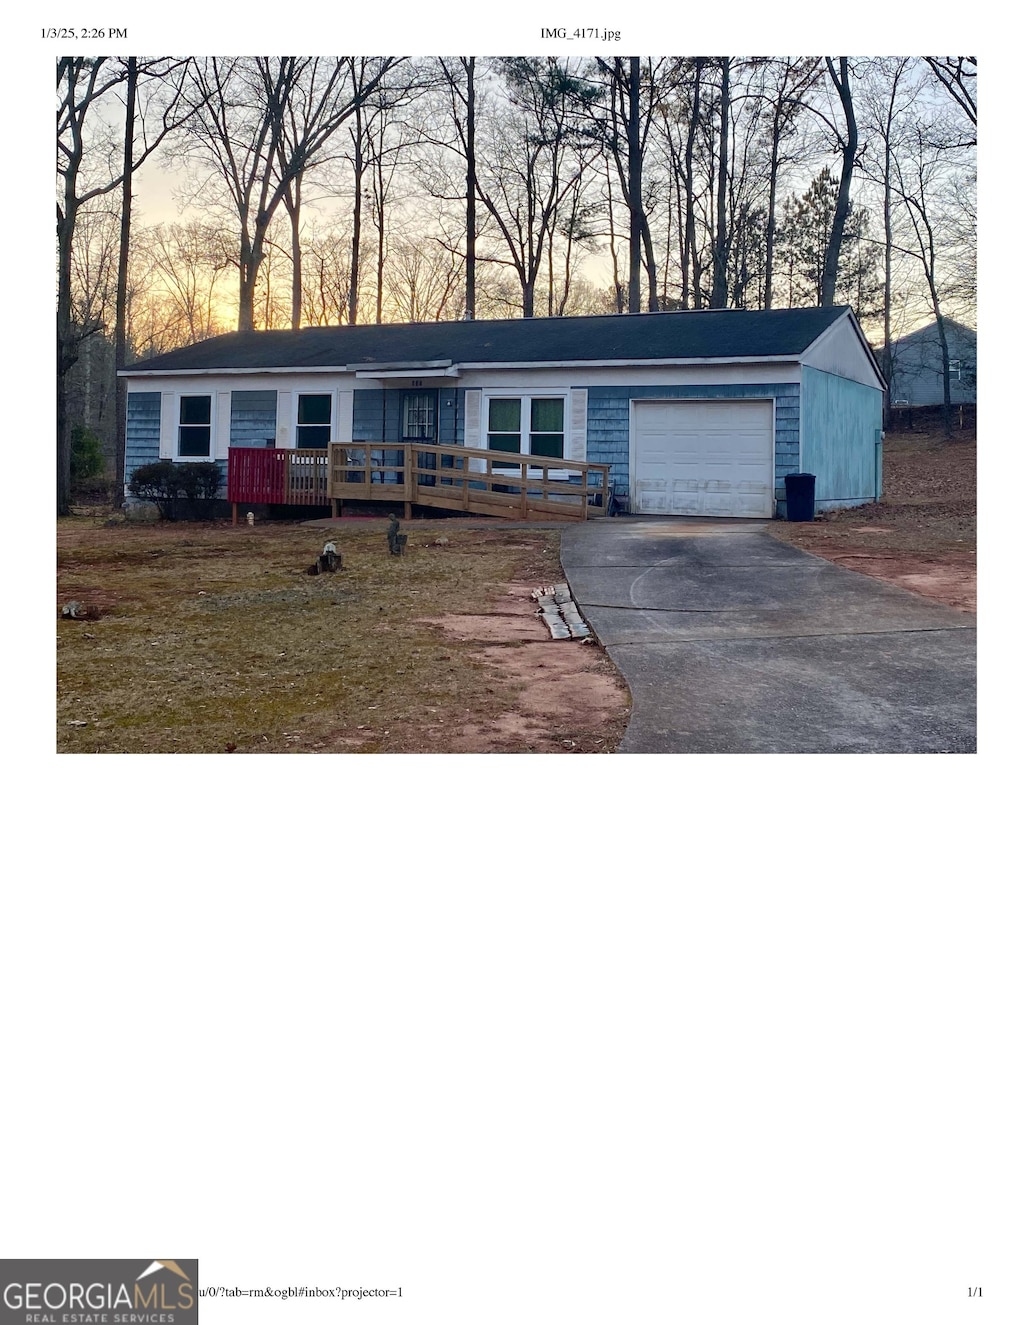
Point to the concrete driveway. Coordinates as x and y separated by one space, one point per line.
732 642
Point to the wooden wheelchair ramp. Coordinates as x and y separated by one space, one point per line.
452 478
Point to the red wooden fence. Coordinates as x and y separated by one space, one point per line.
256 475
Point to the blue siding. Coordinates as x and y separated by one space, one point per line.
608 422
142 435
142 431
377 416
451 418
842 423
253 418
367 416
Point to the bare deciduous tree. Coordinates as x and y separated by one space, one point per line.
260 125
86 87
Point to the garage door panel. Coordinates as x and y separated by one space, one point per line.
704 458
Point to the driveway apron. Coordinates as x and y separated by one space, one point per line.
732 642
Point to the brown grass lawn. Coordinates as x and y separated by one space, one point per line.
208 638
922 534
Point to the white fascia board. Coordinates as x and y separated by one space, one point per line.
457 369
752 360
221 372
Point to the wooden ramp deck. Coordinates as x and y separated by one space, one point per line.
453 478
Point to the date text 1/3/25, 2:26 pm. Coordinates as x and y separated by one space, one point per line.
85 34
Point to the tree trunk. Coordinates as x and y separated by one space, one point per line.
773 186
616 282
835 240
719 287
634 181
121 307
690 246
293 206
947 403
67 354
652 264
380 189
357 222
247 269
887 293
470 67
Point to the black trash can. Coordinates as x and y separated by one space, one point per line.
799 496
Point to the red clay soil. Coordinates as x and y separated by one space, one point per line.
546 685
922 534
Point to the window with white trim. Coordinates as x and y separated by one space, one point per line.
313 422
195 415
528 425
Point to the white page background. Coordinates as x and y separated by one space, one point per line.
658 1039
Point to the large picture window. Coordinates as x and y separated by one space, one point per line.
194 414
529 425
313 424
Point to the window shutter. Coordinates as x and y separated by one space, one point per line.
343 417
168 425
221 426
577 439
474 418
285 411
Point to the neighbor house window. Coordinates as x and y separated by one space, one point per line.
530 425
194 416
313 425
419 416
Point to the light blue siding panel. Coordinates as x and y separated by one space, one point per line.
142 435
142 430
253 418
842 421
450 416
367 416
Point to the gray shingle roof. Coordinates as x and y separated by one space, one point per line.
718 334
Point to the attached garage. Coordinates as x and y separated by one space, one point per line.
704 457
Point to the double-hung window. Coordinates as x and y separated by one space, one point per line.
527 425
194 418
313 422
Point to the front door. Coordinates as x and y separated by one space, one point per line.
419 424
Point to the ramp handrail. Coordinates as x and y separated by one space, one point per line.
459 478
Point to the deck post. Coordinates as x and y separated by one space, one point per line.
410 480
234 512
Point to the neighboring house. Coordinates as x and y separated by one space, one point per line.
917 366
695 413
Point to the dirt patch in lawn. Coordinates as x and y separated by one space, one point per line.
922 534
208 638
561 695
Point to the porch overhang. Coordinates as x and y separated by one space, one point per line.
412 368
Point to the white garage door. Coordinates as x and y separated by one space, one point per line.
703 457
